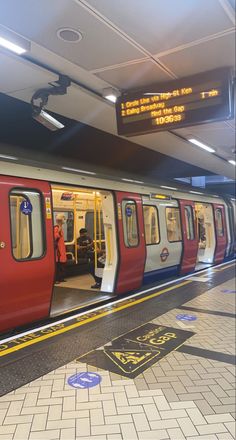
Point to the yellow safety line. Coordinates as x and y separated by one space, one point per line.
88 320
223 268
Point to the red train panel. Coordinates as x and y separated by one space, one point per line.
132 249
25 283
221 232
190 239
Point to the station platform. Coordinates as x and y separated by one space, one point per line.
157 365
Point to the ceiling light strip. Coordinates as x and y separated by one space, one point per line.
201 145
78 171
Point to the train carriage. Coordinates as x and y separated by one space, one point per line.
148 233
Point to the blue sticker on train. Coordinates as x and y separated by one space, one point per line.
128 211
84 380
184 317
26 207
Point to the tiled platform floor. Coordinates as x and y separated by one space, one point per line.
182 396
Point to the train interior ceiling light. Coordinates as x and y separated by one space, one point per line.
40 99
11 41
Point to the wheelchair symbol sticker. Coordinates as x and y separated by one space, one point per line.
84 380
26 207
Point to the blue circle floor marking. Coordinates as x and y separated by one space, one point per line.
84 380
184 317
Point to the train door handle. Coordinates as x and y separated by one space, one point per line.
2 244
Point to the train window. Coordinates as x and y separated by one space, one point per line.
68 225
26 224
173 224
219 223
89 224
151 224
188 213
130 223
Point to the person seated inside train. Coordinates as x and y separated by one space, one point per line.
60 249
84 244
101 260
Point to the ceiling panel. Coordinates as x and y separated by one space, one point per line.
211 54
167 143
134 75
39 22
220 136
159 26
17 74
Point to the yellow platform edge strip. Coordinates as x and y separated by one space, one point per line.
88 320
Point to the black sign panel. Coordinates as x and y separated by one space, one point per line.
134 352
197 99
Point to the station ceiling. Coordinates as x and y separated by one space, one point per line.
126 45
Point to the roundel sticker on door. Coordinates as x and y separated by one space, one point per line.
164 254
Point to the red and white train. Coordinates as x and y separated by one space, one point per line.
149 232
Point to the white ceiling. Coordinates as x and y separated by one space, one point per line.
126 44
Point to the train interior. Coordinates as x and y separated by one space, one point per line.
93 210
206 235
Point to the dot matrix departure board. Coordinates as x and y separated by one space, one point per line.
198 99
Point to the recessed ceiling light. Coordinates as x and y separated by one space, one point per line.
195 192
201 145
168 187
77 171
69 35
232 162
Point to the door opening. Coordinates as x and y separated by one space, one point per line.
206 234
85 247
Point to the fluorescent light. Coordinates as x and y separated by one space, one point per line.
232 162
195 192
4 156
11 46
201 145
77 171
132 181
12 41
110 94
168 187
111 98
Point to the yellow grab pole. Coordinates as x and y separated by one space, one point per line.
95 230
99 225
75 228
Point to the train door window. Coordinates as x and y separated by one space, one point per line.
151 224
130 223
188 213
26 224
68 225
173 224
219 222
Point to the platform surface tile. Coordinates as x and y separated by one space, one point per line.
188 394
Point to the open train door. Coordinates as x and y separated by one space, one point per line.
190 239
27 262
132 249
221 232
